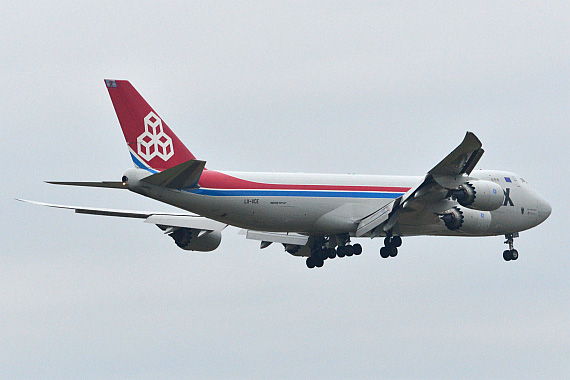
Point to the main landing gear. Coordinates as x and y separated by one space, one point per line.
511 253
390 248
320 254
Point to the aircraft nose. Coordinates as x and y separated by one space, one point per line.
545 209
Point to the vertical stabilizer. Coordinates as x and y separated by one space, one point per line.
151 143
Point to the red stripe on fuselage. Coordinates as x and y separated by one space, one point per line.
212 179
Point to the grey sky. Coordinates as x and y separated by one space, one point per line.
335 87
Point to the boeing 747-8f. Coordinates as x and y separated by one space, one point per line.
316 216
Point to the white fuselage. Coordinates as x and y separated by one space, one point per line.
315 204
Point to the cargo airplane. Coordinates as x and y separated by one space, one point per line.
316 216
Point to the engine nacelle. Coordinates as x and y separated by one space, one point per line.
467 220
480 195
188 239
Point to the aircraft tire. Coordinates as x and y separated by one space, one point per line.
393 251
357 248
396 241
507 255
311 262
514 254
349 250
340 251
319 263
331 253
321 254
384 252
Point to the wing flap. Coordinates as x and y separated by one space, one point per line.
186 221
277 237
375 219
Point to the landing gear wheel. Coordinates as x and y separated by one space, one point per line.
391 244
331 253
357 248
396 241
340 251
349 250
311 262
511 253
319 263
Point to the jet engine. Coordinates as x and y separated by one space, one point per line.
191 240
480 195
466 220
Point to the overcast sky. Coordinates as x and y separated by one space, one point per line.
334 87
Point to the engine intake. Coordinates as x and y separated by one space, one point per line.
480 195
453 218
466 220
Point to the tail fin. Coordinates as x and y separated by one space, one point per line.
152 145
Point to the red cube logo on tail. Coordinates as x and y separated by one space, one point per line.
153 141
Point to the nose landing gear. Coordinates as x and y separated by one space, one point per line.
511 253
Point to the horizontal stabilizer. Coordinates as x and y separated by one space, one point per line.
107 184
183 176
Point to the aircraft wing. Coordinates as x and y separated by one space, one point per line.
166 221
432 193
463 158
